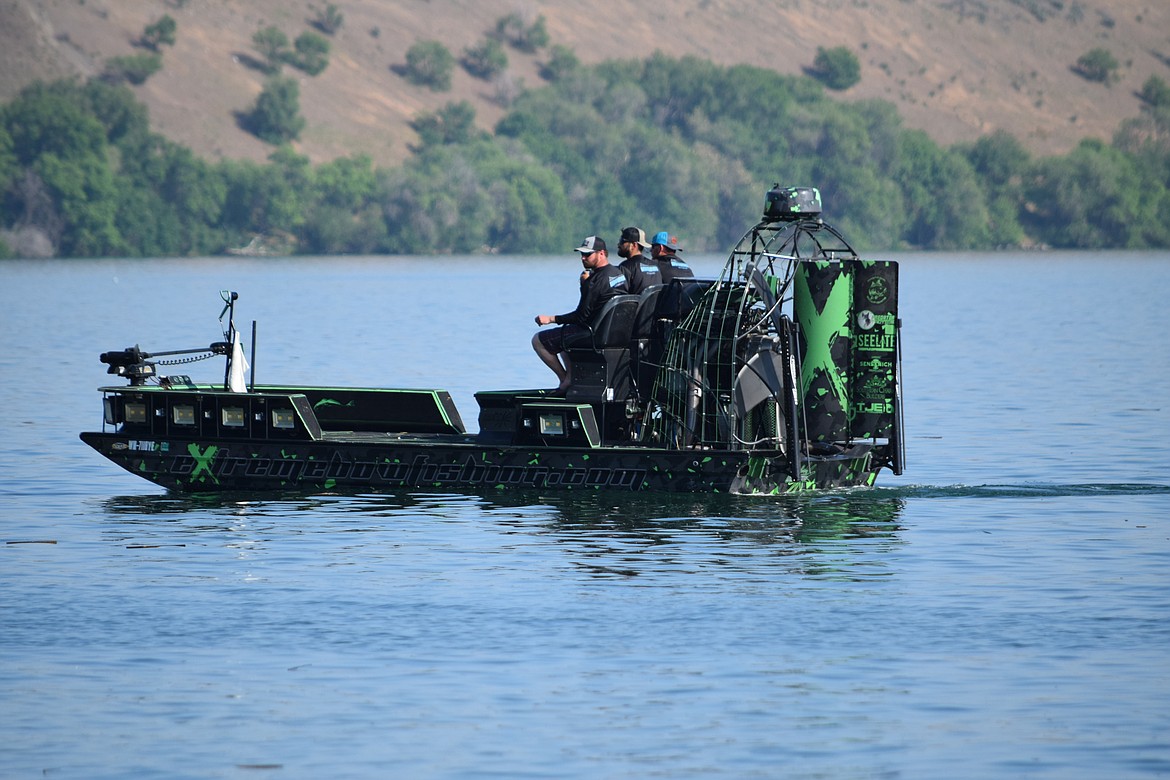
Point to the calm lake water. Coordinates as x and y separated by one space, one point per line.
1001 610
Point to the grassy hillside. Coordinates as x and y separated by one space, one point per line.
954 68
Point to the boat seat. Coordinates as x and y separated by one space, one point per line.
647 311
601 357
646 342
665 307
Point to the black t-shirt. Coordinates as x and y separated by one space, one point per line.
674 267
598 287
641 272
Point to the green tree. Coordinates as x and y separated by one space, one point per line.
999 158
1097 64
329 19
562 61
531 207
246 201
272 199
673 132
84 191
272 44
311 53
509 27
429 64
197 192
1088 199
7 159
474 197
331 230
535 36
96 181
837 68
486 59
119 111
346 182
160 33
849 155
8 171
170 202
941 195
67 188
1146 140
1000 161
344 216
454 123
1155 92
133 68
150 228
276 117
673 185
526 38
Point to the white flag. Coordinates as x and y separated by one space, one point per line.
236 381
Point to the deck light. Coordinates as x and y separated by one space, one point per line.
552 424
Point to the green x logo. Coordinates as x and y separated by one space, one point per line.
203 460
821 331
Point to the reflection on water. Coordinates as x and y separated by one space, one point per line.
845 535
604 534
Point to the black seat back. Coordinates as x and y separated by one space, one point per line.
601 365
647 306
615 322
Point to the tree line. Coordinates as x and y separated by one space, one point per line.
676 144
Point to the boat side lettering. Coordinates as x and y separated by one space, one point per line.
421 470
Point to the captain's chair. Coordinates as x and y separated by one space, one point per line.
601 357
644 356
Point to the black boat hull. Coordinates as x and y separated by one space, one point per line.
387 462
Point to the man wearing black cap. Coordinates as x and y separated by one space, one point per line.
640 269
600 281
669 264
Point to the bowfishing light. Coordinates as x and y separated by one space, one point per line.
791 203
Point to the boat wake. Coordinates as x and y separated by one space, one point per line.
1028 490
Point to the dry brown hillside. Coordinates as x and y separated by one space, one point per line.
955 68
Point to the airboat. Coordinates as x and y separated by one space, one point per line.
780 375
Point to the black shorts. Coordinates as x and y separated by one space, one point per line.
559 339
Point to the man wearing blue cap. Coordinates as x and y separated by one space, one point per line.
600 281
663 248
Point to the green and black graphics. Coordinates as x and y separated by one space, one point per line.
847 313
